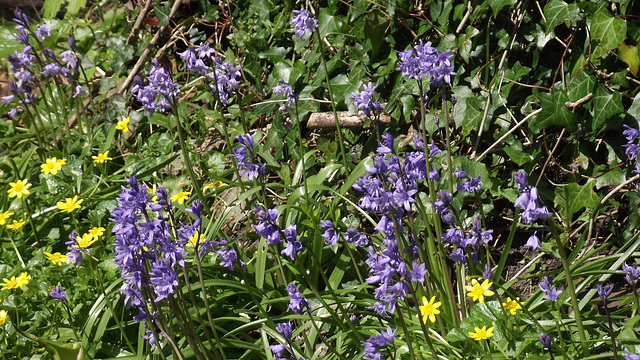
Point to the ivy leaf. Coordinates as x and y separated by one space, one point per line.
51 8
573 197
497 5
608 30
631 55
581 86
634 109
553 111
75 6
605 105
557 11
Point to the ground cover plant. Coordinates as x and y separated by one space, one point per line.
333 179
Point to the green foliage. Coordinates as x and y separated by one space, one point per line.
573 64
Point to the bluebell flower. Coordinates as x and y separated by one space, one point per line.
286 90
529 201
628 355
357 238
159 93
58 294
247 159
533 242
472 185
605 292
303 23
363 101
425 61
545 340
297 302
459 174
267 226
487 274
330 234
377 342
285 329
418 272
632 274
550 291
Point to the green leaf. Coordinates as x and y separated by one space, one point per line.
581 86
608 30
162 12
51 8
517 155
497 5
631 55
553 111
605 105
557 11
374 29
634 110
75 6
574 197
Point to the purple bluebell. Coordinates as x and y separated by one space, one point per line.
459 174
545 340
551 293
357 238
303 23
58 294
529 201
247 159
227 77
605 292
159 93
472 185
533 242
297 302
363 101
330 234
630 147
487 274
628 355
267 225
375 343
418 272
632 274
286 90
425 61
285 329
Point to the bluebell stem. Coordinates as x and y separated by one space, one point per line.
303 23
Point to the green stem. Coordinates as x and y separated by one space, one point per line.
407 335
187 158
611 332
333 104
570 286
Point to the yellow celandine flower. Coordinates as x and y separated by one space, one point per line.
15 282
70 204
16 225
4 217
52 165
85 241
96 232
181 197
123 124
512 305
197 238
214 185
56 258
3 317
481 334
479 291
429 309
101 158
19 188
